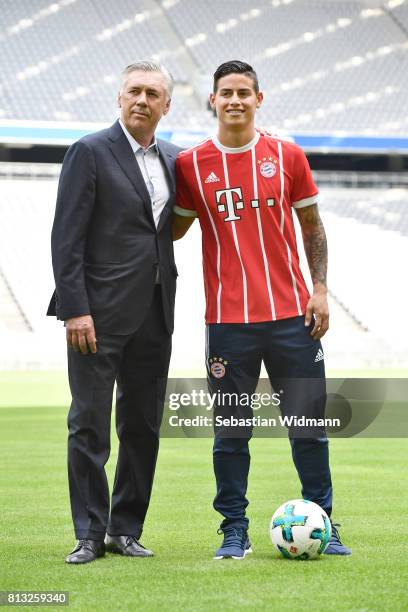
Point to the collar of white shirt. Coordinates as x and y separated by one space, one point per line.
135 145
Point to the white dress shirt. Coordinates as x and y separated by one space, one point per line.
152 172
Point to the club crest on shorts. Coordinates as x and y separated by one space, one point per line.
217 366
267 166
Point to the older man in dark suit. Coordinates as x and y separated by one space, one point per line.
115 286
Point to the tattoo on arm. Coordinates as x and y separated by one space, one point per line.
315 243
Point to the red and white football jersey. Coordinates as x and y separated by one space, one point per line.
243 198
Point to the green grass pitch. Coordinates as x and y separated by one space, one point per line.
371 501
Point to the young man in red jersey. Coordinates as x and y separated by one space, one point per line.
242 186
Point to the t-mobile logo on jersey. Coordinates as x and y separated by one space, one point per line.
227 202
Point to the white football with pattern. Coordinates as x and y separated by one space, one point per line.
300 529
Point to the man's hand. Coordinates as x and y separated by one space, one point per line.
81 334
263 131
318 306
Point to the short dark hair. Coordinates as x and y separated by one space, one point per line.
235 67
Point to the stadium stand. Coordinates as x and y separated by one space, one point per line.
383 209
62 64
367 231
324 66
335 67
12 318
367 234
26 209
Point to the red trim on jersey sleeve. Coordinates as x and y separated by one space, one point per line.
304 191
185 205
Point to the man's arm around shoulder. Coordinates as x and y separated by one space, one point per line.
180 225
184 212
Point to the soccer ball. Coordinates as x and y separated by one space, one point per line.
300 529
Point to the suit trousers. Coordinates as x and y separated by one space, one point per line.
138 362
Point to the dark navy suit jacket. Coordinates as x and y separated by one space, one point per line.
105 245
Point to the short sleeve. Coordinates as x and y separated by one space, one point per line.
304 191
185 206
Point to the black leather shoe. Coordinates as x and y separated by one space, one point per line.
86 551
128 546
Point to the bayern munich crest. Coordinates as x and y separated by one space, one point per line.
217 366
267 167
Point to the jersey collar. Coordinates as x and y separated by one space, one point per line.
246 147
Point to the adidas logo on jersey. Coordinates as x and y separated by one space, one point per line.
212 178
319 355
